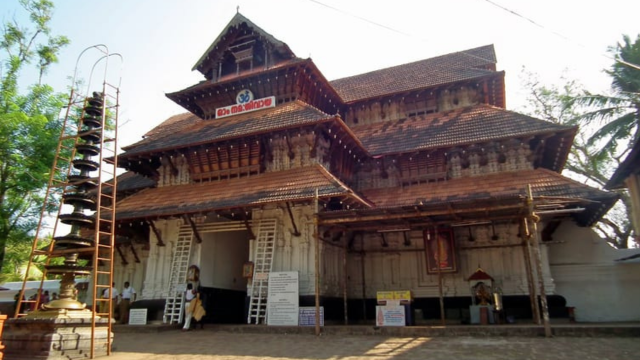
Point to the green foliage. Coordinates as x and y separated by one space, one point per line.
588 161
29 126
616 115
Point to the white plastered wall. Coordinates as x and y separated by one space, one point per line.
156 281
587 275
403 267
133 271
221 257
397 266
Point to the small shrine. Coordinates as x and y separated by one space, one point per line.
483 306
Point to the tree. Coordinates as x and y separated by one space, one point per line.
610 126
587 162
29 126
618 115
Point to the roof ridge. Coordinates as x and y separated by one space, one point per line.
464 52
306 104
329 176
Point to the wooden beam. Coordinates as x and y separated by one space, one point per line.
194 228
526 249
295 232
156 232
316 232
533 219
407 215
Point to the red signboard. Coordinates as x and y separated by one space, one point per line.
249 106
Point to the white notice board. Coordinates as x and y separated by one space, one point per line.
283 299
390 316
138 317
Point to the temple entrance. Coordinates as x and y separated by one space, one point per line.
223 251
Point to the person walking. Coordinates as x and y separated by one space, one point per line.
128 296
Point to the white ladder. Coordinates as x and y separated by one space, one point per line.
178 278
263 262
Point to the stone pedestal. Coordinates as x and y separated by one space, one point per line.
55 335
476 310
2 320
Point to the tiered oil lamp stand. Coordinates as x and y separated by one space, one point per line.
63 328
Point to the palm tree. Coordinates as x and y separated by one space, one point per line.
619 114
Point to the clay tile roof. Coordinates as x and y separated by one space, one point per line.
130 181
206 84
459 66
190 130
290 185
480 123
544 183
167 127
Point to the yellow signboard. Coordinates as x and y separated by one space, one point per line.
402 295
385 295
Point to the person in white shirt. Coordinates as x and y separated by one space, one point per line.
114 300
128 296
189 295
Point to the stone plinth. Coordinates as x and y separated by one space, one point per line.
55 335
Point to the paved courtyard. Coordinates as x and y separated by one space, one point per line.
212 344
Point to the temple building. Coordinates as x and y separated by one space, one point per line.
409 178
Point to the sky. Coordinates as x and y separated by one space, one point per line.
161 40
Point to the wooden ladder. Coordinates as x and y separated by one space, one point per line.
263 263
178 278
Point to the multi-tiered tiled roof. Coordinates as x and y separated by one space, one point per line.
460 66
449 200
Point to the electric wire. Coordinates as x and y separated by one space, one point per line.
514 13
389 28
635 66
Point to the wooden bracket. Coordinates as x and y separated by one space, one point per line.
124 260
156 232
407 239
384 240
352 238
549 229
314 148
291 153
194 228
174 169
293 222
383 170
135 255
252 236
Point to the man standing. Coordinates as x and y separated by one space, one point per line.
128 296
114 300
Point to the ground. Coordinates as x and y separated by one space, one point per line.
214 344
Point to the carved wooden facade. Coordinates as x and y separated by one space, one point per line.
393 152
